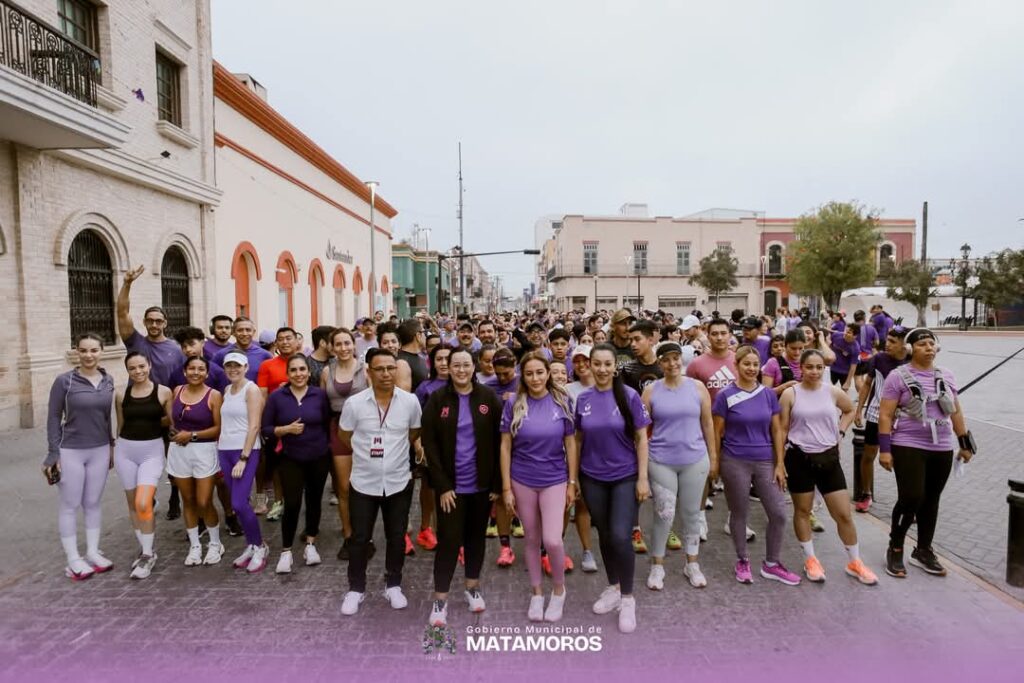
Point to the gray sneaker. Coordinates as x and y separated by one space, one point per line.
143 567
589 565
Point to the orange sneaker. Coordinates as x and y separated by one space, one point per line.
426 539
858 570
506 557
409 548
569 566
545 564
639 547
813 570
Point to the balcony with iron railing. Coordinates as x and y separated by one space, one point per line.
627 270
48 87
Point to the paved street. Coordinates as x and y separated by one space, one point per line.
216 622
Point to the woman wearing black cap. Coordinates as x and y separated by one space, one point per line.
918 419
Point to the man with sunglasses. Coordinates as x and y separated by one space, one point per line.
164 354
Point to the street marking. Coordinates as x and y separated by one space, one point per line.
996 424
84 635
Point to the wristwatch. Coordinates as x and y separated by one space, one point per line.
195 437
573 482
243 458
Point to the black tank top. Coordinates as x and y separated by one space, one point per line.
142 416
416 364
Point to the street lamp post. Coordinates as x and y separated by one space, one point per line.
595 294
965 252
372 184
764 260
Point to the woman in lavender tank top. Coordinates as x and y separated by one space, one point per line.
810 416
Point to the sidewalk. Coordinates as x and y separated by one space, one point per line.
211 623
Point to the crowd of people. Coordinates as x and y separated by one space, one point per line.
513 425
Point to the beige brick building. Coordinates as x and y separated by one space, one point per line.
106 162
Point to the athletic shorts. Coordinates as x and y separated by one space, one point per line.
870 433
862 368
337 448
197 460
139 463
807 471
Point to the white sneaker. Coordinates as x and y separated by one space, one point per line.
214 552
143 566
608 601
703 527
475 600
194 557
333 500
311 556
350 605
555 605
588 565
78 569
396 597
695 575
536 610
99 563
284 564
439 613
656 579
242 560
627 614
259 559
750 532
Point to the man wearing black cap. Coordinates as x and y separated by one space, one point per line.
465 338
532 340
752 335
622 319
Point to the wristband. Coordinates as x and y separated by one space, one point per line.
885 443
967 442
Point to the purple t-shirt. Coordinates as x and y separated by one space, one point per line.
255 354
868 340
748 421
465 449
763 345
774 370
608 455
426 388
211 348
917 433
505 391
538 448
215 378
882 324
164 356
847 354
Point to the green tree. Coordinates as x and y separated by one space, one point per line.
833 251
717 273
912 282
1000 280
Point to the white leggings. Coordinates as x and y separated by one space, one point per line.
677 489
83 474
139 463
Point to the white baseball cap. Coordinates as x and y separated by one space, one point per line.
236 357
689 322
582 350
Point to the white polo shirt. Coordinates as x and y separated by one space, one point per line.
380 442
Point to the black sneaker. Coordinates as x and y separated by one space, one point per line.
173 510
343 550
926 560
233 525
894 563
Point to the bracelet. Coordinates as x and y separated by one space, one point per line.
243 458
885 443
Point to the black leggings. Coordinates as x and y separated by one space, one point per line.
363 510
465 526
298 477
920 477
613 507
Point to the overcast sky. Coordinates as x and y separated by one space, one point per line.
579 106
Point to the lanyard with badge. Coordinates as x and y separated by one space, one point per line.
377 440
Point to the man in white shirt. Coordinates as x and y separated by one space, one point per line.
378 424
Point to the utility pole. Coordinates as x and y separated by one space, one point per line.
924 235
462 275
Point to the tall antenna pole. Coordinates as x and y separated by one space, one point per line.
462 270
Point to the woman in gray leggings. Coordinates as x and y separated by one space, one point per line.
682 456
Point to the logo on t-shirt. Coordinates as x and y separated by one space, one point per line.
722 378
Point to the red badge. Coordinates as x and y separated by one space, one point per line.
484 409
444 412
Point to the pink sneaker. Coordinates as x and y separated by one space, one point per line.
779 573
863 505
743 574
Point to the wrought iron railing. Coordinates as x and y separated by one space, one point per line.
32 47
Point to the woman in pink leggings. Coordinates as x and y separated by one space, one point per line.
538 471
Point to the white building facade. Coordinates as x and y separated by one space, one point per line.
293 243
106 163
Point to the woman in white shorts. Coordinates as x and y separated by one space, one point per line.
139 452
194 415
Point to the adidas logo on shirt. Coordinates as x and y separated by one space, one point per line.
721 379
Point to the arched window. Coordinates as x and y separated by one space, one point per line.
338 282
775 259
174 290
316 284
246 272
90 287
357 289
886 257
287 276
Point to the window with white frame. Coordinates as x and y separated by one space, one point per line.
682 258
639 258
590 258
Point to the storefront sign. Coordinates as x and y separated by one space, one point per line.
333 254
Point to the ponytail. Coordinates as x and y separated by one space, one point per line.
619 392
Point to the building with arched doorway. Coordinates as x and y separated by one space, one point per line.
293 231
106 163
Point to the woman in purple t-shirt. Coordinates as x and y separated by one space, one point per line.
917 420
538 472
611 434
746 417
